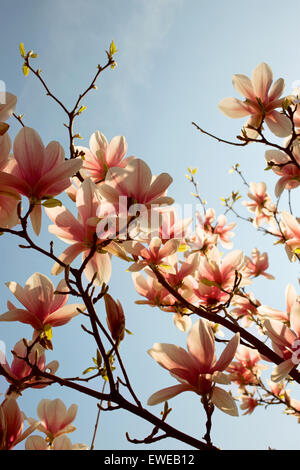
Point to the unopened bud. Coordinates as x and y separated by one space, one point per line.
115 317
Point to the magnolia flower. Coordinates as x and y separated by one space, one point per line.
260 204
137 184
248 403
283 166
59 443
197 369
54 418
275 314
260 101
103 155
155 254
245 308
224 232
8 103
171 226
150 288
20 369
42 306
11 424
38 172
9 197
285 342
216 276
80 234
257 265
245 370
291 229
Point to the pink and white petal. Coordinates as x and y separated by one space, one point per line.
274 314
20 293
243 85
87 200
68 256
101 264
228 354
5 146
109 193
276 156
291 222
280 186
169 248
30 154
54 416
36 218
20 315
262 78
62 442
58 179
282 370
167 393
54 155
159 185
64 315
234 108
138 180
182 322
116 150
39 290
279 124
70 416
201 344
290 296
36 443
295 317
98 143
224 401
276 90
279 333
170 356
66 225
8 105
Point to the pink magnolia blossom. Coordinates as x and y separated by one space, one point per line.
20 369
197 369
171 226
224 232
12 424
257 265
245 370
245 308
155 254
249 403
103 155
38 172
137 184
216 275
150 288
80 233
284 167
54 418
220 229
275 314
42 306
260 204
9 197
285 342
8 103
59 443
291 229
260 101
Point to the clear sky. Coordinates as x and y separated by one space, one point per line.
175 62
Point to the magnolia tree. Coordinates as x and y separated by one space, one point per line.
121 210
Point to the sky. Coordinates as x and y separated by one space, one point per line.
175 62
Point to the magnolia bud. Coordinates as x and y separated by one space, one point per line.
115 317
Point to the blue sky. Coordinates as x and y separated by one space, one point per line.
175 62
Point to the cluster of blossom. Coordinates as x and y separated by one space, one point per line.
124 211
